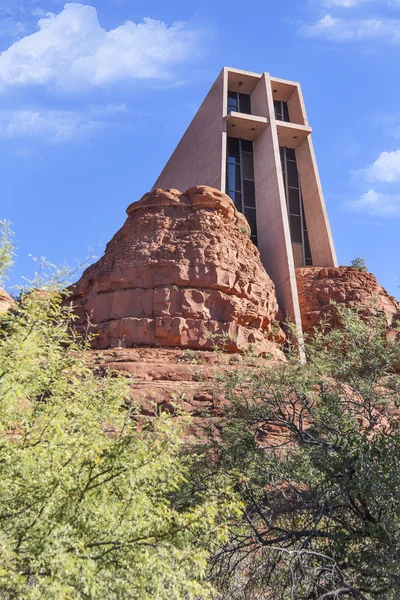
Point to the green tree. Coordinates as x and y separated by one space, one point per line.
315 450
86 488
359 263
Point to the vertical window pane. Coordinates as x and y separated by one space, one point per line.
294 201
233 150
234 178
290 154
285 111
247 166
293 178
247 145
232 102
250 214
282 153
249 193
244 104
307 249
295 229
237 200
278 109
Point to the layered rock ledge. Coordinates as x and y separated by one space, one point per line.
181 272
347 287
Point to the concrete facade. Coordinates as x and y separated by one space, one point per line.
200 158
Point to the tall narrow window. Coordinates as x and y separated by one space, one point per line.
294 202
281 110
238 102
233 104
240 180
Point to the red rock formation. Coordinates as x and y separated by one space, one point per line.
347 287
176 380
181 269
6 302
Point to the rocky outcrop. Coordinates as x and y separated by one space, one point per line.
6 302
178 381
181 272
345 286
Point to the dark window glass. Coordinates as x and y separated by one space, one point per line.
240 180
250 214
237 199
295 229
298 226
278 110
285 111
247 145
294 201
233 150
244 104
234 178
282 153
247 166
232 102
249 193
281 110
307 249
254 240
293 178
290 154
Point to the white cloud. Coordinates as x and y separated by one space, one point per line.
54 126
354 3
59 126
335 29
386 168
72 51
375 204
345 3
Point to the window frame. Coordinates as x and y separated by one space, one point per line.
233 193
305 243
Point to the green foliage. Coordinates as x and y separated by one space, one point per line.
359 263
315 450
6 249
87 489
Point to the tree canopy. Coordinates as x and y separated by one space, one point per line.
86 488
315 450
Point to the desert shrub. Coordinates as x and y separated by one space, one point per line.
315 450
86 488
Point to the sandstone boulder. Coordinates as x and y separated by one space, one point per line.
6 302
347 287
181 272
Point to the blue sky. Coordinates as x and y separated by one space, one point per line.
95 96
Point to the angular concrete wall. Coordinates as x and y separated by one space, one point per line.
319 231
198 158
273 230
